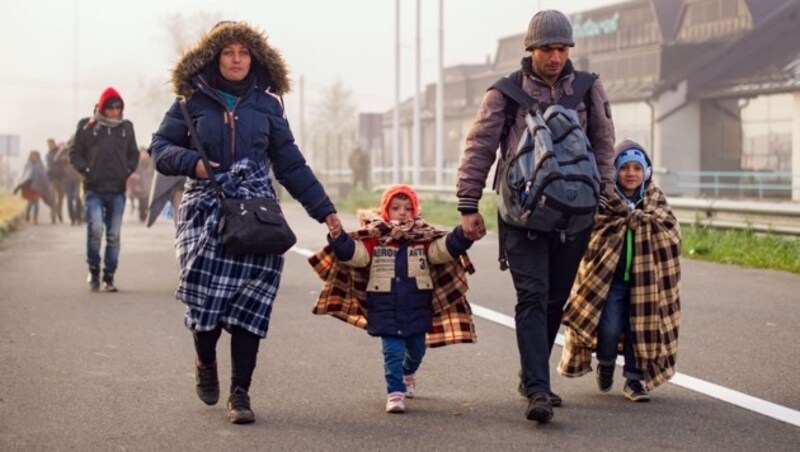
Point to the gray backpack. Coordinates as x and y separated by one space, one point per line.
552 182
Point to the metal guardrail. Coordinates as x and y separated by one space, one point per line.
752 184
777 217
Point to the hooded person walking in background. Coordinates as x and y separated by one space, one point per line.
105 154
232 81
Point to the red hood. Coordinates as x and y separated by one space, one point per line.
395 190
108 93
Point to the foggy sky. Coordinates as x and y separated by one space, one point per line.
47 82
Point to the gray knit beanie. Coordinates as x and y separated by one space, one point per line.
549 27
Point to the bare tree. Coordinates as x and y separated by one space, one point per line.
180 32
334 131
183 31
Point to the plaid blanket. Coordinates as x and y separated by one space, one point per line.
343 293
655 295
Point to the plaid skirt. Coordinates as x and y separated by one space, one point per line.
219 288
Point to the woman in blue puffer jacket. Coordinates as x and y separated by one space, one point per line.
232 81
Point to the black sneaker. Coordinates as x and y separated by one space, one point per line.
540 408
93 279
108 284
207 383
555 399
109 287
521 387
634 390
239 411
605 377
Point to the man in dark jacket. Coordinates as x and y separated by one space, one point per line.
105 154
543 265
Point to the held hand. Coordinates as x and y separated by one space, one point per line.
334 225
473 226
200 169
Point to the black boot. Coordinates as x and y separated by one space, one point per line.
239 411
93 279
555 399
540 408
207 383
605 377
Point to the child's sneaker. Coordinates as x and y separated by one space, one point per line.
634 390
605 377
395 403
411 385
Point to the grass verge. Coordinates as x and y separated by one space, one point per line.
742 247
11 210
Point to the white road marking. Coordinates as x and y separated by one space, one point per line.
742 400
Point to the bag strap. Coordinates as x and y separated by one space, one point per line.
580 87
199 147
516 97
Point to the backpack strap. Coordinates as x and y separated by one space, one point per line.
580 88
511 88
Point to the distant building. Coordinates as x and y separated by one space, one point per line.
706 85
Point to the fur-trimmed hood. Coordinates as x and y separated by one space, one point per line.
266 59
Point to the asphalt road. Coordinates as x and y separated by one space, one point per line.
84 371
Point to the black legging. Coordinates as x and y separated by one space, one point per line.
244 350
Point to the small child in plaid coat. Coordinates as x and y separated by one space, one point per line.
626 296
399 291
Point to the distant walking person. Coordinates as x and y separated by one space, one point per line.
56 172
232 81
626 295
138 185
34 186
105 154
359 165
542 264
72 185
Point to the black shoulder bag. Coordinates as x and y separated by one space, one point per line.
247 226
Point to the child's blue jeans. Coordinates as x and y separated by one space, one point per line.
614 321
401 356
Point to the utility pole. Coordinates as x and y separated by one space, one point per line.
75 47
439 178
302 146
416 134
396 149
